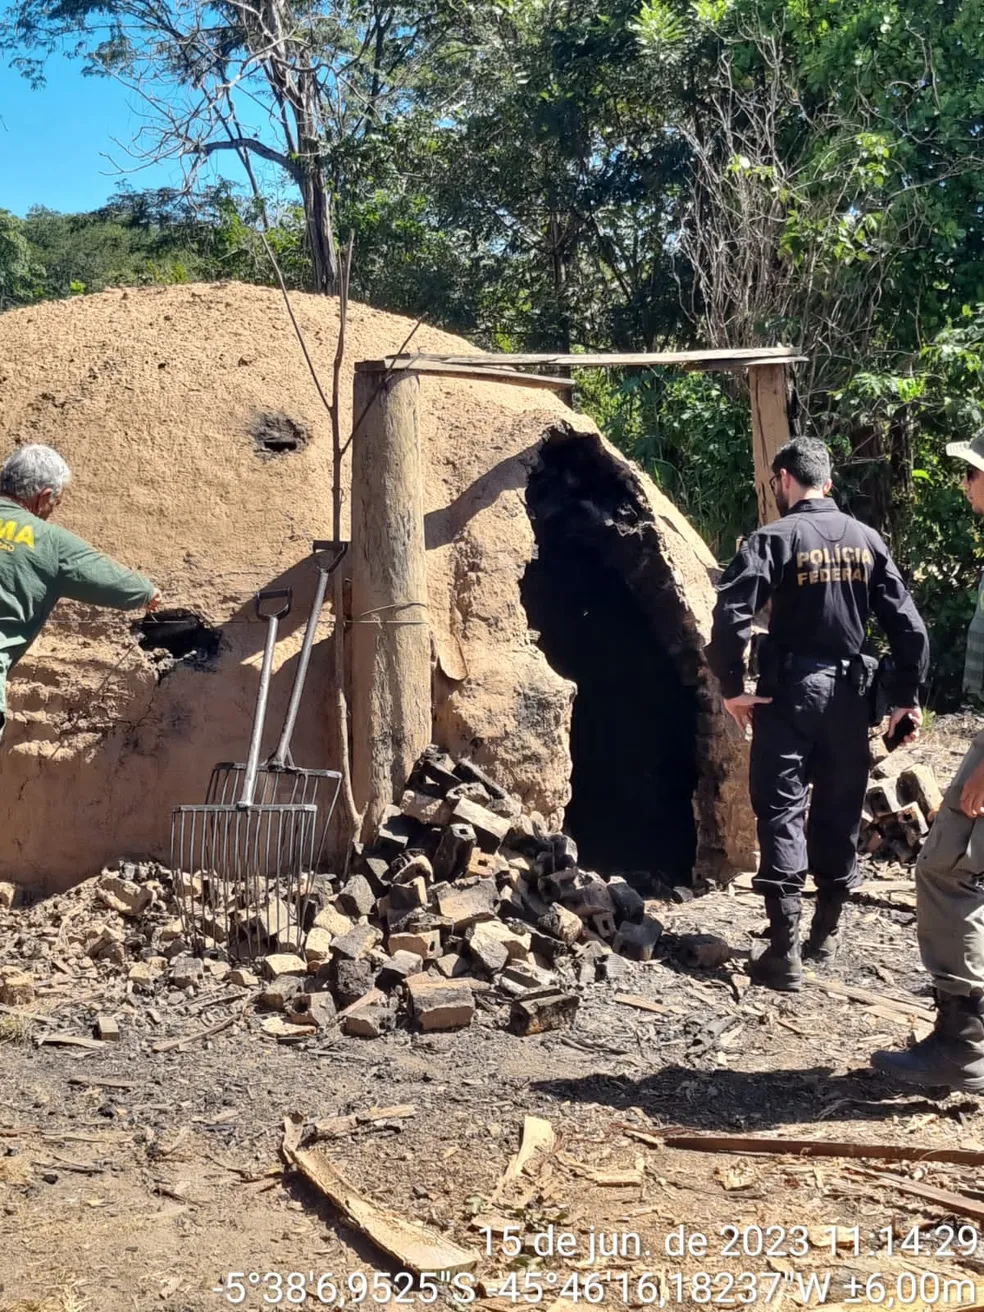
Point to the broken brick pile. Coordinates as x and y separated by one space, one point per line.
460 895
900 805
461 891
114 942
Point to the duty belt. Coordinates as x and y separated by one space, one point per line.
790 661
771 662
858 671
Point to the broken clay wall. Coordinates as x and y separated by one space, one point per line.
156 398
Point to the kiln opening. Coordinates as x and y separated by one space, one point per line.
634 725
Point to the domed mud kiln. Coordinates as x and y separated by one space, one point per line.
568 600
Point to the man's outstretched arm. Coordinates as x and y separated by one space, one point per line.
89 576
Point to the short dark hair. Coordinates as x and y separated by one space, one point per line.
806 459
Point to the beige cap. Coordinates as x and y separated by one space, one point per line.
972 452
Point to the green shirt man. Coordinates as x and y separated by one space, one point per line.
41 562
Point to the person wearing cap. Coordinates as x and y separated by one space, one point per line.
825 574
950 885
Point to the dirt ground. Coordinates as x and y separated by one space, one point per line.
133 1180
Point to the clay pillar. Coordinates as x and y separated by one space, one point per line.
770 429
391 645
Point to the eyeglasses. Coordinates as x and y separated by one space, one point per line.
774 482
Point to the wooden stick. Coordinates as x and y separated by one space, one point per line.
952 1202
417 1248
479 373
71 1041
887 1152
873 999
334 1126
875 887
636 1000
84 1083
35 1131
26 1015
80 1168
170 1044
736 357
641 1135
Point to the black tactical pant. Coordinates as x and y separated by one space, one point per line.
815 731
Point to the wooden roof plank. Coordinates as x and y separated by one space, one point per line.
742 358
442 369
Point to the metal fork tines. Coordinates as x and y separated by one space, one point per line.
240 874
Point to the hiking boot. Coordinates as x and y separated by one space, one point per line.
779 966
952 1056
824 938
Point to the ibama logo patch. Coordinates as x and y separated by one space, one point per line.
12 535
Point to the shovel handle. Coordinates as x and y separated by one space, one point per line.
281 757
263 599
272 618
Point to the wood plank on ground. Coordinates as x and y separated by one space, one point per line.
417 1248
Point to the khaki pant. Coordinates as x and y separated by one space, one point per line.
950 890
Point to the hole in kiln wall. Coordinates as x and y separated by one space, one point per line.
180 632
634 724
277 434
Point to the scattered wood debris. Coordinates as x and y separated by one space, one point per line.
70 1041
883 1003
959 1204
336 1126
643 1004
169 1045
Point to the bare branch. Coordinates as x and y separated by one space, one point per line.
254 147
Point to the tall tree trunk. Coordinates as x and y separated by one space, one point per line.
318 221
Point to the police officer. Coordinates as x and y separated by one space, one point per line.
824 574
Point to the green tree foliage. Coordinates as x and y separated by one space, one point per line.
939 398
18 272
145 238
595 174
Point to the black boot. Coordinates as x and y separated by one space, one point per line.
952 1056
824 938
779 966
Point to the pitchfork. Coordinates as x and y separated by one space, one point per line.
279 780
240 867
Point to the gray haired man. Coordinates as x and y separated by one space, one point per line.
950 886
41 562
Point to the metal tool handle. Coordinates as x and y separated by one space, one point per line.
281 757
273 618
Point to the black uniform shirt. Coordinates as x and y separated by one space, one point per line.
824 573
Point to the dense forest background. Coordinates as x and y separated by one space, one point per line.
583 175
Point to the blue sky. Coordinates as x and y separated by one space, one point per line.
54 142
